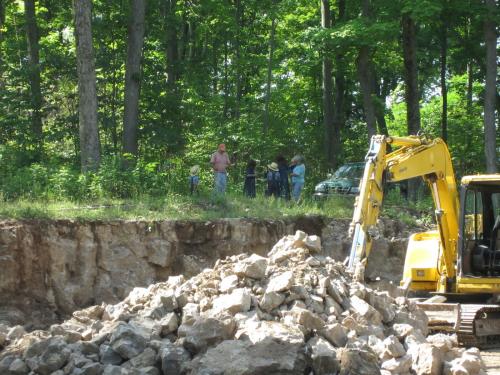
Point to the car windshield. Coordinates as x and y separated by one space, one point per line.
349 171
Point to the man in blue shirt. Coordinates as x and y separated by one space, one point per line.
298 174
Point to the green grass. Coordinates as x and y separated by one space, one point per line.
205 207
176 206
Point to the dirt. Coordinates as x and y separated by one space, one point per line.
491 359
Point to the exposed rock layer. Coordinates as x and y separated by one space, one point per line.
59 266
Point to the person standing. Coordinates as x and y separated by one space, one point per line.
273 180
220 162
249 186
298 176
194 179
284 172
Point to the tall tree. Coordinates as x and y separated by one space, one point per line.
411 86
339 95
2 22
90 154
238 18
490 39
172 55
366 75
444 89
269 75
411 74
34 72
133 75
331 153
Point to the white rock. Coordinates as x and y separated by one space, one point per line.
254 267
281 282
313 243
271 300
365 310
238 301
228 283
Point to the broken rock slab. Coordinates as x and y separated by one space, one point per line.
244 358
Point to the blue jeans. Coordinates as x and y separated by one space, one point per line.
297 189
220 182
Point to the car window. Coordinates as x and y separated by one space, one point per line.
349 171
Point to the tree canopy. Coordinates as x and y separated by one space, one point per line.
266 77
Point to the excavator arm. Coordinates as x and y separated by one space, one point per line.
413 157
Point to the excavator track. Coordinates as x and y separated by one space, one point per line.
475 324
479 326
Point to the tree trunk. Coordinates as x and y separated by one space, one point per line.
444 90
34 73
339 96
133 75
366 78
172 51
269 76
238 16
411 74
490 39
411 87
87 111
328 92
382 91
2 22
226 82
215 66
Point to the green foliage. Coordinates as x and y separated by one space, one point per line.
219 93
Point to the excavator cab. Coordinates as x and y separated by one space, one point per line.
479 244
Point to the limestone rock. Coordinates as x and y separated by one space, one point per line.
427 360
399 365
369 313
228 283
281 282
335 334
172 358
127 342
109 356
271 300
255 332
204 333
254 267
238 301
323 356
244 358
358 362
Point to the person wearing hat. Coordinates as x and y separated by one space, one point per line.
273 179
220 162
298 174
194 179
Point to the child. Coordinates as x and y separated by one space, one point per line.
273 180
249 186
194 180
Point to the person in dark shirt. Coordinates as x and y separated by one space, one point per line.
249 186
284 170
273 180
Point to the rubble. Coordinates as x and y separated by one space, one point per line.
293 312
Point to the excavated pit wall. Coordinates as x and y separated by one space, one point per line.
50 268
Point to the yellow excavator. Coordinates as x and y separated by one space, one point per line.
460 260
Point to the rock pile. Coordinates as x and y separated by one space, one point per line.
293 312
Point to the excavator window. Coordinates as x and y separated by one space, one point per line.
480 227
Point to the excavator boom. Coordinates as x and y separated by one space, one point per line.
442 261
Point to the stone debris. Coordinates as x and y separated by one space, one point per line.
293 312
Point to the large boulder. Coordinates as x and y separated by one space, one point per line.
244 358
